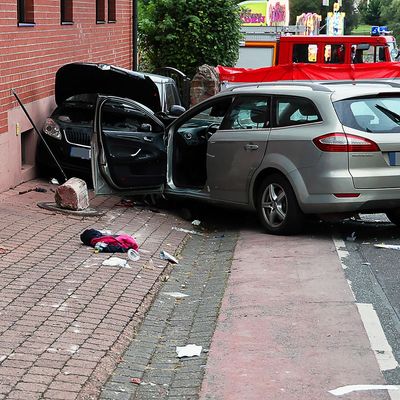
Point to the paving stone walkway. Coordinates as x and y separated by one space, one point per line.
65 319
201 275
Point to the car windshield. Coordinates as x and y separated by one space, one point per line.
370 114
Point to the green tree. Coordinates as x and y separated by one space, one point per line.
391 16
188 33
297 7
371 12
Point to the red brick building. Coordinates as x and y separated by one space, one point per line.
36 38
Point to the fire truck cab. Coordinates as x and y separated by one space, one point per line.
264 49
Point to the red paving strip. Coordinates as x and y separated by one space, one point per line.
65 318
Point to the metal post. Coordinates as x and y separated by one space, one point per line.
134 34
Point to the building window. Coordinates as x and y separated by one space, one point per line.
25 12
100 11
112 17
66 12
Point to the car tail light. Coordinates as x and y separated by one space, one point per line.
340 142
52 129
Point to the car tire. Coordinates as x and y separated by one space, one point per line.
394 216
277 206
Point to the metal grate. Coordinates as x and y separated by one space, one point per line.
78 136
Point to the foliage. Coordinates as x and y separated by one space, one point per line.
188 33
297 7
370 11
391 16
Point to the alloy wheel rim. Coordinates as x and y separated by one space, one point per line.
274 205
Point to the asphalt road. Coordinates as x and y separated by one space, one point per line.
374 273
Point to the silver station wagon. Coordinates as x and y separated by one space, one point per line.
284 149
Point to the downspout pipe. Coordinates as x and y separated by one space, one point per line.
134 35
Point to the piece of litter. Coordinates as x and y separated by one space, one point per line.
133 255
3 251
366 263
54 181
196 222
166 256
388 246
191 350
177 295
116 262
352 237
148 383
136 381
187 231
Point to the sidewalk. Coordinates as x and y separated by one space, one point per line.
65 318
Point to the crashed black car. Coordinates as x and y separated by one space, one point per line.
67 131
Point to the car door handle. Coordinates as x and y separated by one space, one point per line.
148 139
135 154
251 147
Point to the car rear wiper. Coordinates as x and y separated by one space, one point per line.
389 113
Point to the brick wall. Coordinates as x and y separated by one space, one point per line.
30 56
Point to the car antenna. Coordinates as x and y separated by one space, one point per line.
38 132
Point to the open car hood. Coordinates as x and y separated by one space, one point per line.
82 78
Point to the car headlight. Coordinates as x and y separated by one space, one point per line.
52 129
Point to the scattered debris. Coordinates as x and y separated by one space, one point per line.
176 295
388 246
187 231
109 243
126 203
133 255
366 263
136 381
116 262
191 350
196 222
36 189
3 251
54 181
72 195
166 256
352 237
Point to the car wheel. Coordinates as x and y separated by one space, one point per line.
394 216
277 206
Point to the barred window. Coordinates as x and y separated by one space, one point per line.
112 17
66 11
100 11
25 12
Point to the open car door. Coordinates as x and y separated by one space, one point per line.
128 150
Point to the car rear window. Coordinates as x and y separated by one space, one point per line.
378 114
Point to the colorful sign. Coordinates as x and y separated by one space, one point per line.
311 22
265 13
278 13
253 13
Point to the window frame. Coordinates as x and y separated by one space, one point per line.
274 109
100 12
112 11
226 123
66 12
26 13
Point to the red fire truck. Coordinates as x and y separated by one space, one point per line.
263 49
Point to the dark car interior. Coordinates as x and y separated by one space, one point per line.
190 145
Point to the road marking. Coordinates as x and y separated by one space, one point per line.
357 388
379 344
377 338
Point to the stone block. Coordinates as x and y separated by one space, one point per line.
73 195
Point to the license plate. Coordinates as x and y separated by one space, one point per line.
80 152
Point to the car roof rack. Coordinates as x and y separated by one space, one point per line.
319 86
316 86
395 84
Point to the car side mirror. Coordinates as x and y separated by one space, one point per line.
176 110
145 128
